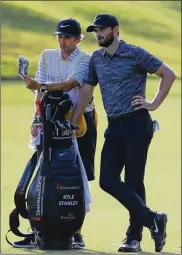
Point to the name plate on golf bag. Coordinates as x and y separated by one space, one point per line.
55 202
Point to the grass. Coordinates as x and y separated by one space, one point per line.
27 28
105 226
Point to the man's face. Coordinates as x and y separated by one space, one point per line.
67 44
104 36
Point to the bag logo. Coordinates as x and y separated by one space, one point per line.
40 195
62 154
58 187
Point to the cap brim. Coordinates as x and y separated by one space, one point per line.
66 34
92 28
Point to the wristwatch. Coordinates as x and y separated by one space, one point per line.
43 88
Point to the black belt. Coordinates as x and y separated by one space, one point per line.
124 117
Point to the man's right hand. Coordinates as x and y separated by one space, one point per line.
31 83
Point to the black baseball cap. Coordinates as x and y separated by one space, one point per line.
68 27
103 20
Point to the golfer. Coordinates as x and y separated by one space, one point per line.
121 71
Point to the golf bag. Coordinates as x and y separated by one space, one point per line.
55 204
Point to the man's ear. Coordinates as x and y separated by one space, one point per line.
78 39
116 30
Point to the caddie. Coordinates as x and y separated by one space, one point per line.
64 69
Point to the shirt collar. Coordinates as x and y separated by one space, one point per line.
120 49
118 52
71 57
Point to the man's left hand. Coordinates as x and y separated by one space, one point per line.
141 103
31 83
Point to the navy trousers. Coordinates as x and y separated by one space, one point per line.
127 140
87 145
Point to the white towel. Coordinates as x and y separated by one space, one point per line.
34 141
87 193
156 126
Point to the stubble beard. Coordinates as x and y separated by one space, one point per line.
107 41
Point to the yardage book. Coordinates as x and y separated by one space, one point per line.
23 66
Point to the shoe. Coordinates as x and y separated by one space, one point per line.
78 242
27 242
158 231
130 246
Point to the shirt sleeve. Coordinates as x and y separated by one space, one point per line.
81 69
41 69
147 62
91 75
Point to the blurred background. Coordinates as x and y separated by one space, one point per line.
26 29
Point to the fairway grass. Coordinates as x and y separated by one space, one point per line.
154 25
106 224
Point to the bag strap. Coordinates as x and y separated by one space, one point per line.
19 196
20 201
14 223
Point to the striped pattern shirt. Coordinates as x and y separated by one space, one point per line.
53 67
121 76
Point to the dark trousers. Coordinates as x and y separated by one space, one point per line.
126 145
87 145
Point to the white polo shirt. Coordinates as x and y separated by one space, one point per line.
54 68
